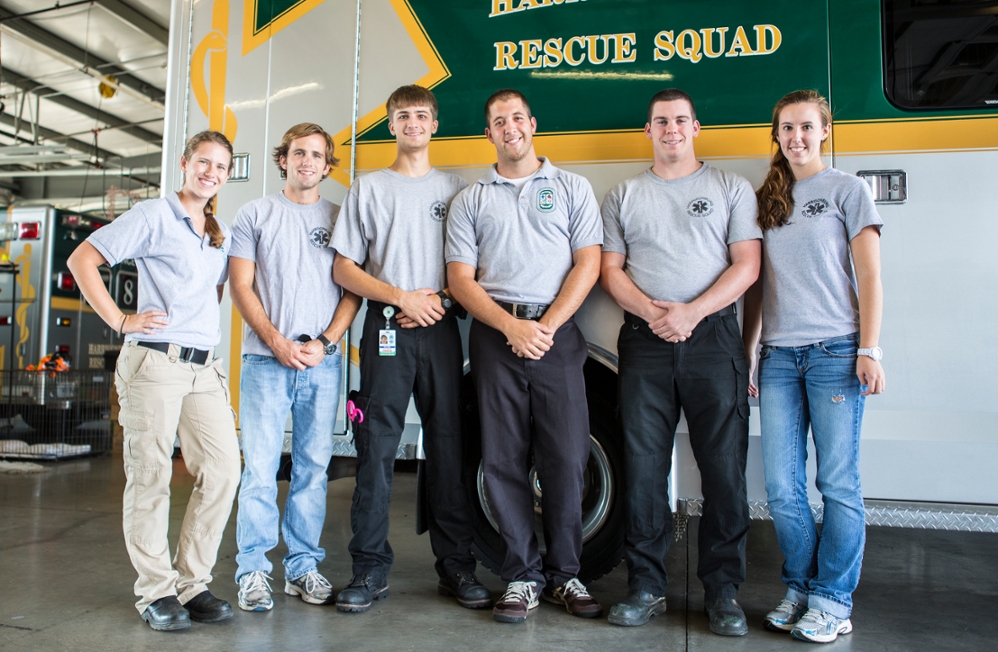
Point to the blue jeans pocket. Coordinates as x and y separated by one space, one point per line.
839 348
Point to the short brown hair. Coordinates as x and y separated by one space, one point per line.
302 130
504 95
671 95
406 96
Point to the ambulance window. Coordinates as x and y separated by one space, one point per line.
941 53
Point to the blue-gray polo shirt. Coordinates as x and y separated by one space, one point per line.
521 241
178 269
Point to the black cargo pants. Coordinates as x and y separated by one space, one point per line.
707 377
428 365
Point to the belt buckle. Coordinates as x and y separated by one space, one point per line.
186 354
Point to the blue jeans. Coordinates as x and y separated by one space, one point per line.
268 391
815 386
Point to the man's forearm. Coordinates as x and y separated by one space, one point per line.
249 306
625 293
466 290
352 277
580 280
344 315
728 288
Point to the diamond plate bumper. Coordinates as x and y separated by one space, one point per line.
925 516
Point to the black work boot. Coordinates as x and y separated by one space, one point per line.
466 589
726 617
636 609
360 592
206 608
167 614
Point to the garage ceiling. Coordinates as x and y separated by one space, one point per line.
82 85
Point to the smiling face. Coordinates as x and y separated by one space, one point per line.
413 126
511 129
305 162
671 130
801 131
207 170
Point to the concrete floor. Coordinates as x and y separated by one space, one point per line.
66 584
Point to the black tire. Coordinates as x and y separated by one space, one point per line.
603 500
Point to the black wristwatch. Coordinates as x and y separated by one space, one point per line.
329 347
445 300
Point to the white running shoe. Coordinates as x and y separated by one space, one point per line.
312 587
787 613
820 627
254 592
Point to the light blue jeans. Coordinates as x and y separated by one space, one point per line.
815 386
268 391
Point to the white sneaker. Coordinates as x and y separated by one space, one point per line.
254 592
312 587
820 627
787 613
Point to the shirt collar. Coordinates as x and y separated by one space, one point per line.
546 171
173 199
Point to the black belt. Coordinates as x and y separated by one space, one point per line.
187 354
723 312
524 310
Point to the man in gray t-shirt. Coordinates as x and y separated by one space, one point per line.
281 275
389 243
681 245
522 254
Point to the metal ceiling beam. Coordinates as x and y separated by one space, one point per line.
88 60
31 86
48 134
79 172
137 19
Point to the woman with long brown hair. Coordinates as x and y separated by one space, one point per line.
170 384
817 309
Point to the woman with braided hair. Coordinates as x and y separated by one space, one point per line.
170 384
816 309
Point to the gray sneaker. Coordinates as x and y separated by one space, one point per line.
312 587
820 627
787 613
254 592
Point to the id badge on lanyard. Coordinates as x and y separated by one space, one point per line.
386 336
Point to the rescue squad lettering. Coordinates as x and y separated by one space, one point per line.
692 45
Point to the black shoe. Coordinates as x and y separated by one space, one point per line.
206 608
360 592
726 617
465 587
167 614
636 609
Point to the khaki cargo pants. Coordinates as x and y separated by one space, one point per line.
162 397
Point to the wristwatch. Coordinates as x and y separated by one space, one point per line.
445 300
329 347
876 353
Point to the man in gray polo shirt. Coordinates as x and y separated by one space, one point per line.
389 245
522 254
281 274
681 245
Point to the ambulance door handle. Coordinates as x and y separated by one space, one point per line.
888 186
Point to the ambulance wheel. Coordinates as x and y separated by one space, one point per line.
602 501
